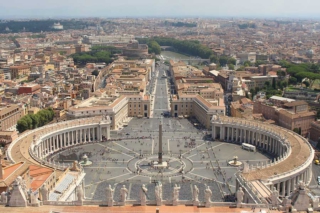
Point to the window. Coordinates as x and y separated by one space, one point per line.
175 107
145 107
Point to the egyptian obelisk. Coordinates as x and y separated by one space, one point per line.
160 144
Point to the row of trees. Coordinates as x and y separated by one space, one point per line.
298 72
223 61
189 47
33 121
93 57
180 24
154 47
247 25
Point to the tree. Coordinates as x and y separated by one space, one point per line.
95 72
231 66
223 60
247 64
154 47
232 61
306 83
281 73
241 68
273 83
259 62
22 125
214 59
293 80
267 84
35 120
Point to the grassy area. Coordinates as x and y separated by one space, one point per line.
316 84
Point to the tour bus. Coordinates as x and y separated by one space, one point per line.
248 147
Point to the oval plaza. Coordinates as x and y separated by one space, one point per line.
286 172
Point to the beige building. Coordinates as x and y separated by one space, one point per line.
293 115
9 115
197 106
118 108
17 71
315 131
242 108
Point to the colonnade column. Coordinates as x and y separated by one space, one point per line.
246 132
232 135
288 187
283 188
237 134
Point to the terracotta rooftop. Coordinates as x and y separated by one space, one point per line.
39 175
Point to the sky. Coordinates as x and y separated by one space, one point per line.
159 8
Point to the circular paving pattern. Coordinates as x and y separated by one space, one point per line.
147 166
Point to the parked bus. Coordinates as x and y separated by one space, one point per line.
248 147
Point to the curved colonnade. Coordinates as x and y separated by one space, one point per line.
55 137
293 153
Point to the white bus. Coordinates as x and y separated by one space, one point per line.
248 147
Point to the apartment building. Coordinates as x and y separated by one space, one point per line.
197 95
293 115
9 115
118 108
242 108
197 106
17 71
315 131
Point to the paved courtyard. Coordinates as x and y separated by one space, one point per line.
191 160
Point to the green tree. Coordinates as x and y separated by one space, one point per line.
29 121
231 66
223 60
293 80
95 72
281 73
241 68
259 62
35 120
267 84
154 47
306 83
247 64
273 83
214 59
232 61
22 125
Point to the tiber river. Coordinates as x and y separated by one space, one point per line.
173 55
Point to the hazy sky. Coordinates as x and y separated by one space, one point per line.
140 8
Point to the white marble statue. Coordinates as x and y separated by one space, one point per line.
34 198
44 192
80 193
274 197
110 192
176 190
207 194
123 193
143 195
3 197
158 193
195 193
240 195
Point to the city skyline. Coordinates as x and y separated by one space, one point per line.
165 8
